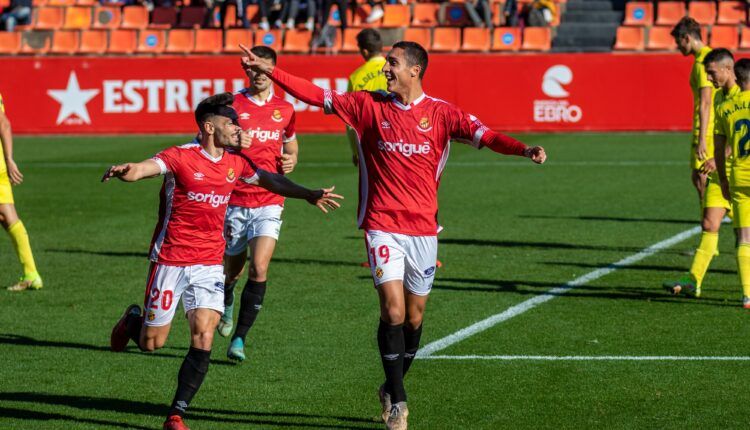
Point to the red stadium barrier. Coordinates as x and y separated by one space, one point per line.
603 92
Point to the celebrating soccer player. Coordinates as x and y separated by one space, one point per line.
188 243
687 35
254 216
733 128
719 65
403 143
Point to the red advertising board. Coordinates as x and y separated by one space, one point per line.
545 92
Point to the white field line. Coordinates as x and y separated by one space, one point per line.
303 165
587 358
529 304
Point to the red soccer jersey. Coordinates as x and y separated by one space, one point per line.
270 123
194 201
402 152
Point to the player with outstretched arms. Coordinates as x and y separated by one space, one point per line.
403 143
253 218
188 243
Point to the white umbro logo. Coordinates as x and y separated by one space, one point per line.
244 115
198 176
385 124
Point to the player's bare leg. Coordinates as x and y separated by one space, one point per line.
234 266
391 344
153 338
20 238
699 182
251 302
193 371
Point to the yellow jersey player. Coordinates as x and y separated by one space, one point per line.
10 175
719 65
687 35
733 128
367 77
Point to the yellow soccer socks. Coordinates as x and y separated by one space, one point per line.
706 250
20 239
743 265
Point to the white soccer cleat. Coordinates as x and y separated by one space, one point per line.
397 417
385 402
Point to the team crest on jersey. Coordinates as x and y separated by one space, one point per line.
277 116
244 115
230 175
378 272
151 315
424 125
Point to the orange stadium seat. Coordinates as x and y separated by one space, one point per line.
537 39
669 12
454 15
476 39
4 4
360 16
253 14
208 41
270 38
134 17
163 17
445 39
703 11
630 39
506 39
180 41
732 12
10 42
396 15
49 18
229 19
419 35
349 43
122 41
86 2
192 17
61 2
36 42
725 36
107 17
234 36
659 39
297 41
151 41
745 39
639 13
65 42
77 18
425 15
93 42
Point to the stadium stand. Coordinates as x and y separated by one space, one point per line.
745 39
10 43
94 42
36 42
725 36
506 39
587 25
630 39
702 11
107 17
49 18
476 40
425 15
639 13
234 36
422 36
134 17
732 12
77 18
122 41
151 41
271 38
65 42
208 41
396 16
536 39
446 39
659 39
180 41
669 12
349 43
297 41
163 17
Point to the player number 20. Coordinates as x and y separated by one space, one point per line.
166 299
738 126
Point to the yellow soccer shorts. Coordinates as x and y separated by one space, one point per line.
713 197
741 206
6 193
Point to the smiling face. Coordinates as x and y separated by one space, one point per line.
399 74
225 132
259 81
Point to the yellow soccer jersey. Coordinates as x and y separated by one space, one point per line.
699 80
369 76
734 123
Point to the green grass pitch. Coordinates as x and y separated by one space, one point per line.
512 232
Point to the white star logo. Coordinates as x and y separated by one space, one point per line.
73 100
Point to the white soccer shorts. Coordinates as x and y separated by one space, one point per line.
199 287
242 225
395 256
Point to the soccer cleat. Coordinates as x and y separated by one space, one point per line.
236 349
119 338
225 323
30 282
385 402
175 423
685 285
397 417
746 302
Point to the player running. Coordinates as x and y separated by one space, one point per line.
733 128
403 144
188 243
719 65
687 35
253 219
10 175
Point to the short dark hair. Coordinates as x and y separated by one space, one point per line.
742 71
718 55
687 27
369 39
218 104
416 55
264 52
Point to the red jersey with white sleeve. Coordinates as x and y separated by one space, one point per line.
270 123
402 150
194 200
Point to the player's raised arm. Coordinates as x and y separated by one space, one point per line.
131 172
323 198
